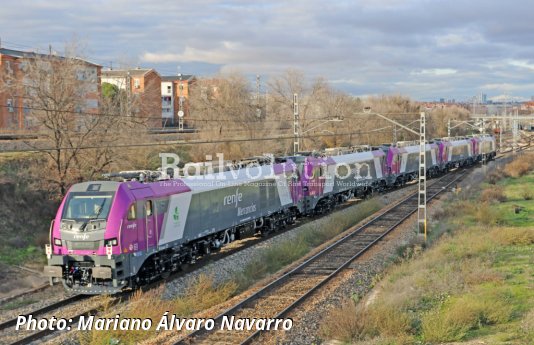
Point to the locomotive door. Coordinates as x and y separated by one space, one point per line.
145 223
150 223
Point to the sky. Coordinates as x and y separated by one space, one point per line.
422 49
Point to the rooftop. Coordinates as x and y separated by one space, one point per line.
124 72
33 55
187 77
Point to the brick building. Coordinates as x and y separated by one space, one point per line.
175 97
14 110
143 89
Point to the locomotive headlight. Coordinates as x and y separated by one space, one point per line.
57 242
111 242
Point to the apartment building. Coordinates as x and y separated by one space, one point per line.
143 88
175 98
15 109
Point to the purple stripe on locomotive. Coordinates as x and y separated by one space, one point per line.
295 185
392 163
311 178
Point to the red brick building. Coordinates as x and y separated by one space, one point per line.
14 112
175 97
143 87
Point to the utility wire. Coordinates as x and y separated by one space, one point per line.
192 142
81 113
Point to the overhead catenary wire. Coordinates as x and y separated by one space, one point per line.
189 119
192 142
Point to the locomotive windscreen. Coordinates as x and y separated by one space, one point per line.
85 206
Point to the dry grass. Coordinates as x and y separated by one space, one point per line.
345 324
513 236
495 176
201 294
527 195
484 214
459 315
493 194
480 213
527 325
520 166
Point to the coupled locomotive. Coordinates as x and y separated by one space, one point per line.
109 235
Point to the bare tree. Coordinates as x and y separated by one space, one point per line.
79 129
224 108
318 103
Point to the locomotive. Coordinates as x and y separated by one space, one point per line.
108 236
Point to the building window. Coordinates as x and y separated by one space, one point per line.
137 83
91 103
10 106
80 75
169 89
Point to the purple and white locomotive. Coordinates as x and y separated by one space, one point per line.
108 236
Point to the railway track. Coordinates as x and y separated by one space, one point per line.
74 316
277 299
4 326
46 309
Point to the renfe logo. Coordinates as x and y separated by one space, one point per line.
233 199
81 237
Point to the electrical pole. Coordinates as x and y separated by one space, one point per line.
421 209
449 128
258 108
500 135
296 140
180 103
515 128
394 134
128 91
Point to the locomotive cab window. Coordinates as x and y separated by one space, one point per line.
131 212
87 205
148 208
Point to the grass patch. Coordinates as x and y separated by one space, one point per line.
17 304
19 256
474 283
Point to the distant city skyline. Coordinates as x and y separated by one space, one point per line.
419 49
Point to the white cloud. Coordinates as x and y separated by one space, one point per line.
522 64
461 38
436 72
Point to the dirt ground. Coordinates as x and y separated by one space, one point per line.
17 280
